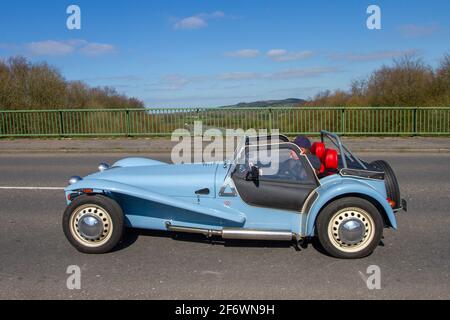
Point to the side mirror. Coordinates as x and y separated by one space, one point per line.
253 174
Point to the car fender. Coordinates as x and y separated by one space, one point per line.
105 186
337 188
137 162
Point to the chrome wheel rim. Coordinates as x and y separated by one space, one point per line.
351 229
91 225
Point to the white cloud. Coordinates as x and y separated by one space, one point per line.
372 56
95 49
414 30
197 21
303 73
129 77
177 82
280 75
174 81
195 100
244 53
9 47
50 48
294 91
240 76
282 55
61 48
190 23
276 53
218 14
279 55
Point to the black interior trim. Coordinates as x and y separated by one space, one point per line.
274 193
363 173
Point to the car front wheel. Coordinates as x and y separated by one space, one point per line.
93 223
349 228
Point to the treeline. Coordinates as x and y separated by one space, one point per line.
25 85
408 82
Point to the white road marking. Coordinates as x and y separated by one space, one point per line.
31 188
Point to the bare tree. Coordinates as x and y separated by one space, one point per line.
408 82
24 85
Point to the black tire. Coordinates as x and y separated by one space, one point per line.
390 180
353 206
110 211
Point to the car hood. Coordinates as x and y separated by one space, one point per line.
181 180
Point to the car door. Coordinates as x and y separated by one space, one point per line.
285 177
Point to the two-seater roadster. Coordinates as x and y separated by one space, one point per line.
346 203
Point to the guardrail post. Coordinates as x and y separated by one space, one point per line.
415 121
343 121
127 119
270 121
61 124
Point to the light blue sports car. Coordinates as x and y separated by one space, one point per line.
346 203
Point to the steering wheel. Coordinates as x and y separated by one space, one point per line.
294 170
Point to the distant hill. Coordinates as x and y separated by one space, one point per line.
291 102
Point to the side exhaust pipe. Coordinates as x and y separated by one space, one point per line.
206 232
257 234
234 233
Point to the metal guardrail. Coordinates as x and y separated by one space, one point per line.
385 121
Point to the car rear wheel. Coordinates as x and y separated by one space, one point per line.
349 228
93 223
392 188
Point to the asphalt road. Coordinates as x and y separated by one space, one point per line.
34 254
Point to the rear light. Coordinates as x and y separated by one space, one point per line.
391 202
72 195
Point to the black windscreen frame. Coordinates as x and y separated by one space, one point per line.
311 177
278 194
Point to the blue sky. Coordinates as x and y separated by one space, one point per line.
215 52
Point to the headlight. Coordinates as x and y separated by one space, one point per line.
74 179
103 166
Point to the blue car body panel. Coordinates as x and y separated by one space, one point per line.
136 162
166 193
336 186
114 188
171 180
152 194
